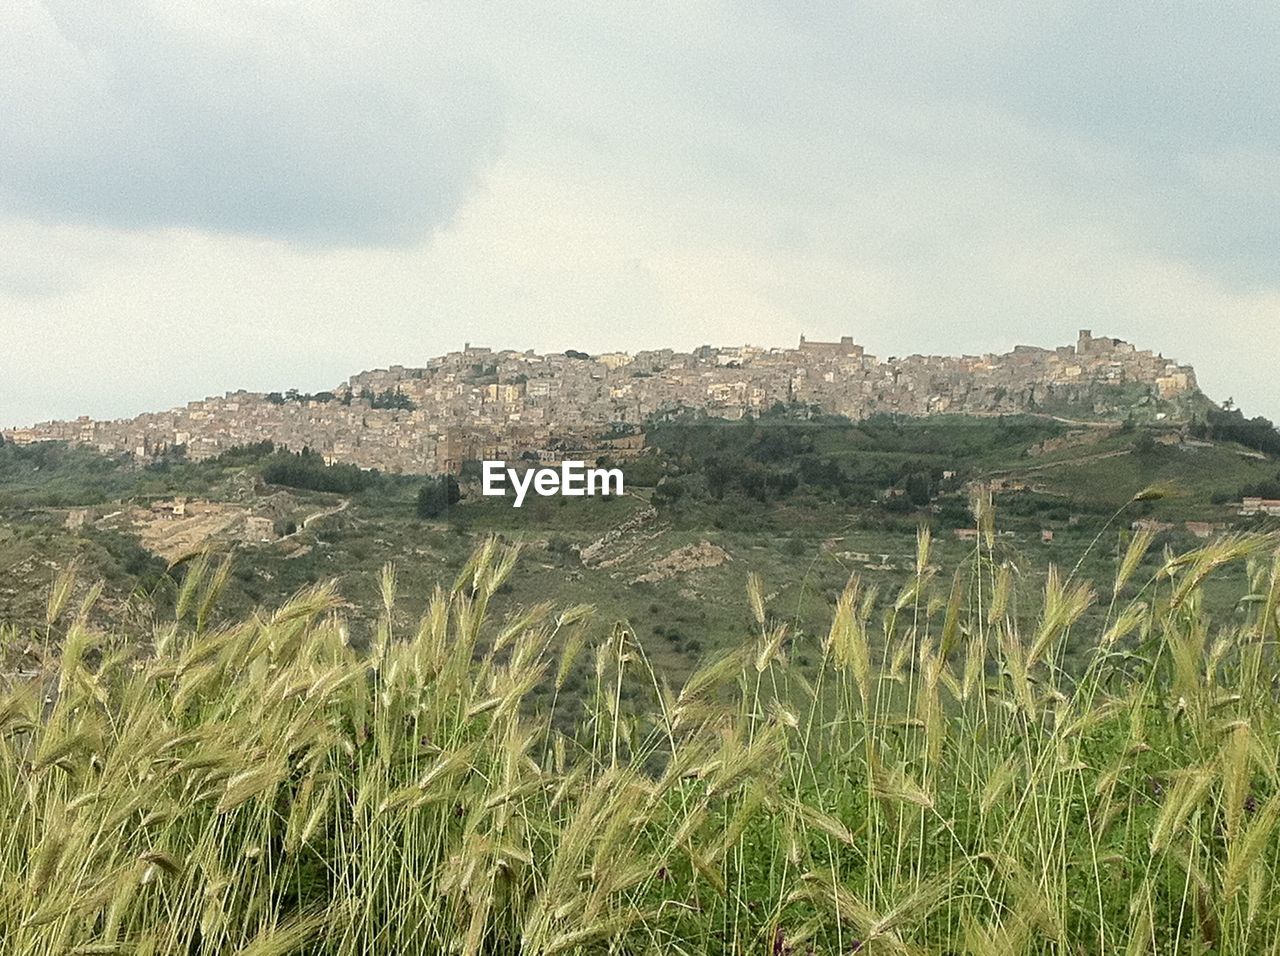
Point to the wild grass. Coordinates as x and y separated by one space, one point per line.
939 784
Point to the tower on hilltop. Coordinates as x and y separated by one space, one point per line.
844 347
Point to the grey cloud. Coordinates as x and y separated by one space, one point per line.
31 284
1158 122
298 123
933 177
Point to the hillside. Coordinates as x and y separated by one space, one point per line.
806 502
483 404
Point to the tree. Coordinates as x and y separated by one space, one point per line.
437 495
1145 445
918 490
307 469
392 398
668 492
1256 433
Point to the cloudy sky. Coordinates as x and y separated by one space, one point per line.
283 193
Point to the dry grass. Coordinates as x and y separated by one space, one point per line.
938 785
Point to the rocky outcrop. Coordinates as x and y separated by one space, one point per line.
692 557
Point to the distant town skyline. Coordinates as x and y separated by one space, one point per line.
275 193
893 358
478 404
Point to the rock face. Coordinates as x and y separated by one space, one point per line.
477 403
692 557
621 541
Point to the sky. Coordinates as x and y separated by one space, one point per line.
264 194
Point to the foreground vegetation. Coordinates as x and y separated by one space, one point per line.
937 784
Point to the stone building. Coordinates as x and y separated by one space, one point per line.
478 402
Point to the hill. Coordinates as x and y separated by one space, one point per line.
480 404
804 501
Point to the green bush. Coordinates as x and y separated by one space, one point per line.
436 496
307 469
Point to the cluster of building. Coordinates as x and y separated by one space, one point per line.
1260 506
480 404
1201 529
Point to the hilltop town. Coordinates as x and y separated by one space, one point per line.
478 403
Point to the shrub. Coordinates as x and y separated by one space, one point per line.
436 496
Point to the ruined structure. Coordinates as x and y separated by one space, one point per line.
477 403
